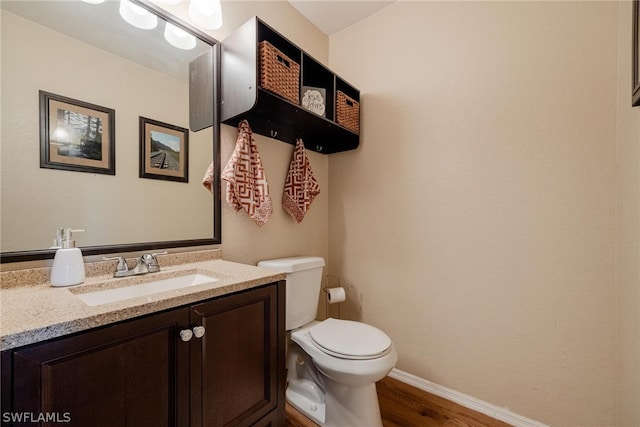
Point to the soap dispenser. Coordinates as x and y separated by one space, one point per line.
68 265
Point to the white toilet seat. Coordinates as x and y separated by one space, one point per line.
349 395
332 366
351 340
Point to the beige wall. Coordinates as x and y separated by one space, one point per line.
279 14
627 236
475 224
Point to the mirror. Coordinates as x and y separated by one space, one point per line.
88 53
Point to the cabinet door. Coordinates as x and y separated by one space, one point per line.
130 374
236 364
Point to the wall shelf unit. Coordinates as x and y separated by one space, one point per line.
270 114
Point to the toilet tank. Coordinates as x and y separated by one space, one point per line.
304 279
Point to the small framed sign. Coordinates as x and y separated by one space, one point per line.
314 99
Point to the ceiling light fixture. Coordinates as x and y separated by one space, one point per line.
137 16
206 13
178 37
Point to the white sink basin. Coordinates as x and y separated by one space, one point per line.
107 296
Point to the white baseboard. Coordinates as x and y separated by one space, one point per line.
496 412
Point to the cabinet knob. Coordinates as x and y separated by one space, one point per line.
199 331
186 334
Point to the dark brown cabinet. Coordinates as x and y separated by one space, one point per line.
237 364
133 372
157 371
270 114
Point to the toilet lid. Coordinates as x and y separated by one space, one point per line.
350 340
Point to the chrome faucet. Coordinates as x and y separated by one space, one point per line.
147 263
150 262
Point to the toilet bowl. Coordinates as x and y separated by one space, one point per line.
347 376
332 365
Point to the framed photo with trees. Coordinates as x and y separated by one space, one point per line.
76 135
164 151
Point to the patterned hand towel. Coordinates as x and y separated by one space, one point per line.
207 180
247 186
301 186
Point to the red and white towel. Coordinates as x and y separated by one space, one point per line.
247 186
301 186
207 180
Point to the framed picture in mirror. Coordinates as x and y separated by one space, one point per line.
164 151
635 94
76 136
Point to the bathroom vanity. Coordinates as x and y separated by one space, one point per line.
207 355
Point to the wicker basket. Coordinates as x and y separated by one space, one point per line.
348 112
278 73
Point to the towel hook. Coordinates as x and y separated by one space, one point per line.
274 133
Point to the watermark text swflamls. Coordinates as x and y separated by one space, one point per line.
36 417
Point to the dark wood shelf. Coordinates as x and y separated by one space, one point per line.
269 114
280 119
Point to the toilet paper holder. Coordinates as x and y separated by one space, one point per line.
328 285
333 289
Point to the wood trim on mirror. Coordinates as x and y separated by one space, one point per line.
635 72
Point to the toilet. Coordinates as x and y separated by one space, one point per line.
332 365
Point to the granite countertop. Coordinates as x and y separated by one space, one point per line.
36 312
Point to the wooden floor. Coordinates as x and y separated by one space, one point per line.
402 405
